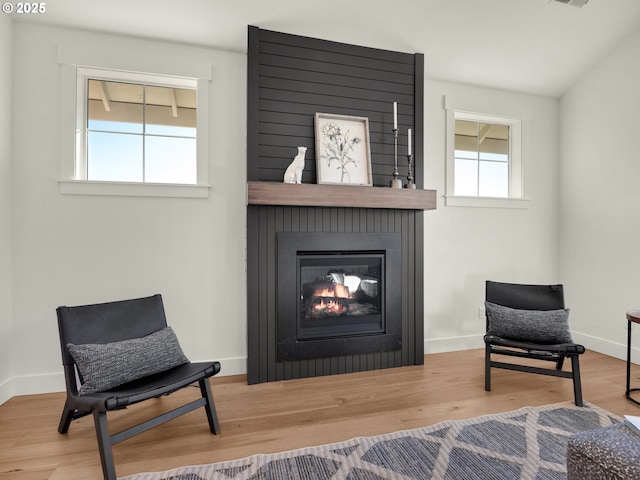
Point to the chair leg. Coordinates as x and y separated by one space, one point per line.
560 362
577 385
487 367
104 445
210 407
66 418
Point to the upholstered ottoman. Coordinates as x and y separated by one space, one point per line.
608 453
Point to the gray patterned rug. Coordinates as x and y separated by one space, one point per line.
529 443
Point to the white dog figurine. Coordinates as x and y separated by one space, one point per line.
293 173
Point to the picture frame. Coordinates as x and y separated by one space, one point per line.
343 151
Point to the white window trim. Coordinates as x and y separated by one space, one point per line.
72 179
482 110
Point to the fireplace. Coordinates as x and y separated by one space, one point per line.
281 104
338 294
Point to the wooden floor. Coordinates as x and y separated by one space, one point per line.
281 416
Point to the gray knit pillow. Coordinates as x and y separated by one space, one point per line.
535 326
105 366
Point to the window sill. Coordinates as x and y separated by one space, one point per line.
486 202
126 189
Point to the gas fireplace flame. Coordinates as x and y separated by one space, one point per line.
330 300
334 290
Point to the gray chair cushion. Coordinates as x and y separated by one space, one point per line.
105 366
534 326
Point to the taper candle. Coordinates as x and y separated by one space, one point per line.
395 115
409 144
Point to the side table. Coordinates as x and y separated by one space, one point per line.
633 316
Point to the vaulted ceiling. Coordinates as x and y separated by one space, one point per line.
535 46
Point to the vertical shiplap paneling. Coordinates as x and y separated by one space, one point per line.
290 78
406 258
419 281
263 296
253 297
266 222
271 227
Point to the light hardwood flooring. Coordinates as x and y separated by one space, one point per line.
280 416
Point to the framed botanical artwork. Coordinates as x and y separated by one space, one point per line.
343 153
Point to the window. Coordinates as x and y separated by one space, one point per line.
484 159
482 153
131 133
137 132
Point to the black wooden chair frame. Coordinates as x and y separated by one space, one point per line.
74 325
531 297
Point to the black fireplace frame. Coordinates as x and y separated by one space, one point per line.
293 245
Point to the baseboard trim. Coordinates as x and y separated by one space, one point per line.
453 344
607 347
54 382
31 385
233 366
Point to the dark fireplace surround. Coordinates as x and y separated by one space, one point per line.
370 230
332 260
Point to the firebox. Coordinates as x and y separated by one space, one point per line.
338 294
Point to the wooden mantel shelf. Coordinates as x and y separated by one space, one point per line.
310 194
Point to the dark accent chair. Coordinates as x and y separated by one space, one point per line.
541 298
119 321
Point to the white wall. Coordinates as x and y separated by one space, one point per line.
71 249
600 198
464 246
75 249
6 317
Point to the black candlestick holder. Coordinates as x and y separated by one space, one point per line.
396 182
410 183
